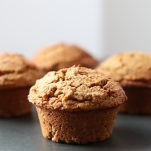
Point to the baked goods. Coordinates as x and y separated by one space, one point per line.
62 55
133 70
16 77
76 104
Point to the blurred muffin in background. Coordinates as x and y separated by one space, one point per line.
133 70
62 55
17 75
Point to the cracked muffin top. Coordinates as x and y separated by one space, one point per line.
16 71
61 56
131 67
76 88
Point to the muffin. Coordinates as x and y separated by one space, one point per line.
76 105
61 56
133 70
17 75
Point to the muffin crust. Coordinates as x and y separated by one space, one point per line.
129 68
76 88
16 71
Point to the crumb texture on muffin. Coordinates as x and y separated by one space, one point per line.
128 66
16 71
76 88
63 55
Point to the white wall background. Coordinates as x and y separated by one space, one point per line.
127 25
28 25
102 26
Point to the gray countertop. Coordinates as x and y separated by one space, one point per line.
23 134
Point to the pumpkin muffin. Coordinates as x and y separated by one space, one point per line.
62 55
76 105
133 70
17 75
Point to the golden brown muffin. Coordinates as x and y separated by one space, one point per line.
61 56
133 70
76 105
16 77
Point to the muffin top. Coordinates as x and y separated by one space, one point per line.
61 56
128 67
16 71
76 88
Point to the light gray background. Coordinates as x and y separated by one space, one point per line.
102 27
127 25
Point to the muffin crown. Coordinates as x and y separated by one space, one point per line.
76 88
61 56
128 67
16 71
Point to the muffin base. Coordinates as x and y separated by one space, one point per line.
13 102
77 126
139 100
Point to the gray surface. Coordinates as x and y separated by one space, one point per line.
23 134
